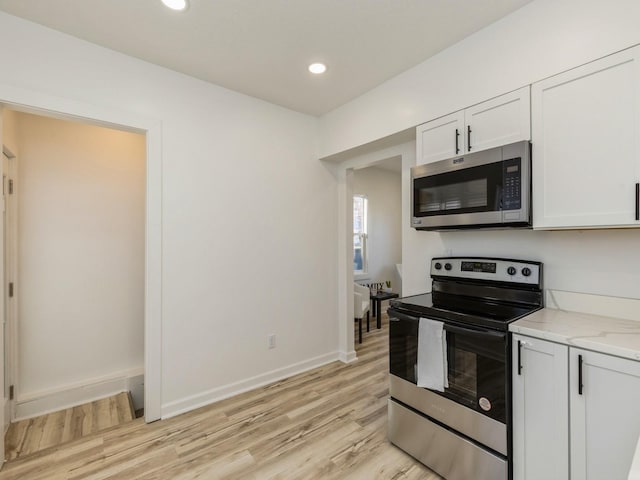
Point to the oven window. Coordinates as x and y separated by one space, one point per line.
477 373
463 378
403 348
469 190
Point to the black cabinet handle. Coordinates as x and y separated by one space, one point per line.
637 201
457 145
580 375
468 138
519 357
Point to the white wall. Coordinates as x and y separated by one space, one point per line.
248 214
541 39
383 191
81 208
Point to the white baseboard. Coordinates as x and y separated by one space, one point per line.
187 404
348 357
617 307
7 414
41 403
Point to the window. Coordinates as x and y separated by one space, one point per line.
360 260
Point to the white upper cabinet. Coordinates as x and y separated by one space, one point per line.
586 145
441 138
499 121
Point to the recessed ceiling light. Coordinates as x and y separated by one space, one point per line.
317 68
180 5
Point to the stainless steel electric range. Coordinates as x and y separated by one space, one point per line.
461 427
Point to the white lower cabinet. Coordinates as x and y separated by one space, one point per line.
540 410
576 413
605 415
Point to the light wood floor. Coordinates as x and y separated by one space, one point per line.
329 423
40 433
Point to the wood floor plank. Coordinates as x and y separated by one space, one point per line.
329 423
27 437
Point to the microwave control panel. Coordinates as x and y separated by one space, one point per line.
512 188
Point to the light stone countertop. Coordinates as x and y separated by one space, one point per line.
613 336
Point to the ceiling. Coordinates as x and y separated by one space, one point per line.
262 47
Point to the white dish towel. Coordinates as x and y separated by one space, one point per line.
432 355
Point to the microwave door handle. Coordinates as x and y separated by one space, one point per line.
637 201
475 332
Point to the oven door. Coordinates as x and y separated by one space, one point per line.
477 363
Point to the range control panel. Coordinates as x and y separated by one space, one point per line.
495 269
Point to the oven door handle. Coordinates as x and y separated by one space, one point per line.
475 332
395 316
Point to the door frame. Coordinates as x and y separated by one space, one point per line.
405 153
28 101
11 272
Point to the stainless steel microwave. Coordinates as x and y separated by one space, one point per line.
488 189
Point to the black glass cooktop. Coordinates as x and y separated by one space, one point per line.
456 308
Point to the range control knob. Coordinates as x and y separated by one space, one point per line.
526 271
511 270
447 266
438 266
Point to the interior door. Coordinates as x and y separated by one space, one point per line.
2 309
8 319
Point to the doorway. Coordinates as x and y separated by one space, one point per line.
29 101
78 288
401 153
377 228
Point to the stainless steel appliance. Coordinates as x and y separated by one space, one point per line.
488 189
463 432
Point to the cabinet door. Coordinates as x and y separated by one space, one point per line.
540 410
440 139
586 145
605 416
499 121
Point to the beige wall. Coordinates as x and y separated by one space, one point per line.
9 134
81 194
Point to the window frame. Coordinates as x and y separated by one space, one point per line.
363 233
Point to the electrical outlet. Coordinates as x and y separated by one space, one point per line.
272 340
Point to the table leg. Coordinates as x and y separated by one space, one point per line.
378 315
